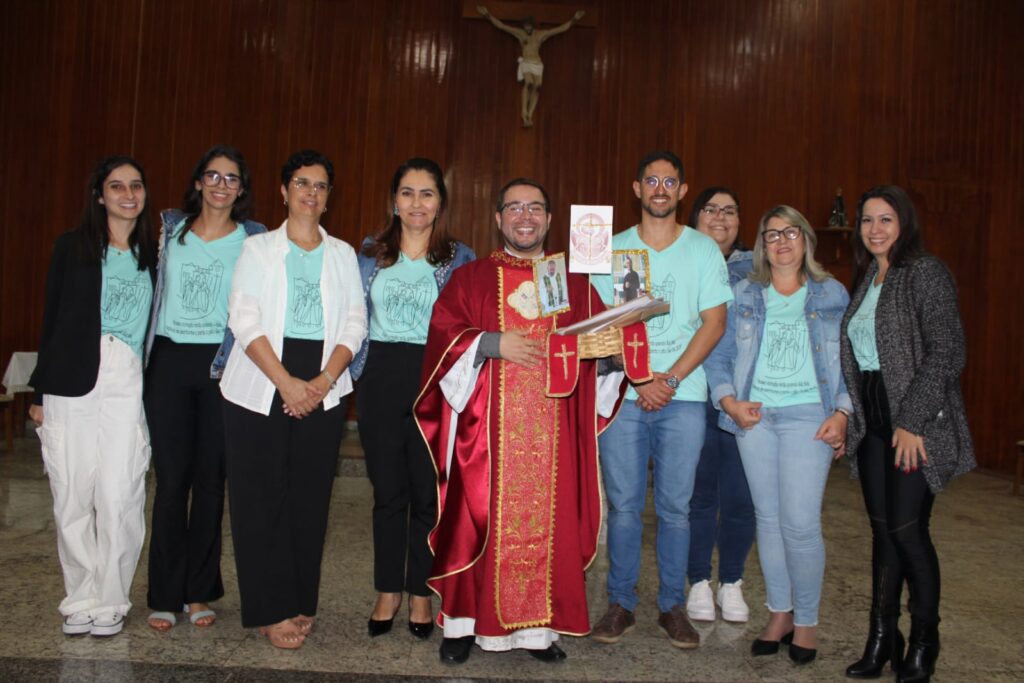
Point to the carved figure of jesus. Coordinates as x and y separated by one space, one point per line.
531 68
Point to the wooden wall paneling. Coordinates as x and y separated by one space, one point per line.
783 99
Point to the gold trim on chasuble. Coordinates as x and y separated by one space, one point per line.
526 469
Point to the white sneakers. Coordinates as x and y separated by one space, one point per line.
109 624
730 600
77 624
80 623
700 604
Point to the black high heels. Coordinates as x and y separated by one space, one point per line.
378 627
763 648
802 655
420 629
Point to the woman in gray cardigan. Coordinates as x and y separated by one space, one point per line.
902 351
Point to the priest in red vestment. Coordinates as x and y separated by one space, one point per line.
519 503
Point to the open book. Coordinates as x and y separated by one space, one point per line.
640 308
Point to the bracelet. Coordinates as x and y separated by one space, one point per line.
329 377
844 411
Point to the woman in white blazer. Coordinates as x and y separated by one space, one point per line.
297 312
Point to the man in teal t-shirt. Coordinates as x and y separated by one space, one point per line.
663 419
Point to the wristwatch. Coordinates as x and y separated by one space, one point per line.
672 381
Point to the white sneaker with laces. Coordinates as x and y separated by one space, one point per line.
109 624
700 604
76 624
730 599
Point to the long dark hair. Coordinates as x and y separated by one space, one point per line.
388 242
702 199
93 231
908 245
192 204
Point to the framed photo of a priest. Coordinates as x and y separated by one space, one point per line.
552 292
631 276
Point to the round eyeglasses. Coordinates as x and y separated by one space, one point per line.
668 182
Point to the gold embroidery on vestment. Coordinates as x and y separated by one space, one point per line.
526 473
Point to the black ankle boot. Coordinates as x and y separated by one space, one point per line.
923 650
885 644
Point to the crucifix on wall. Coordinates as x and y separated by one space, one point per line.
531 69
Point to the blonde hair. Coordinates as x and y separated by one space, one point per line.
762 272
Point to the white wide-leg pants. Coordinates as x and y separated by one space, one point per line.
96 453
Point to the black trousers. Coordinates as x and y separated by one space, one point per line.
280 475
899 506
399 466
184 409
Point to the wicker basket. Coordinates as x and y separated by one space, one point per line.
607 342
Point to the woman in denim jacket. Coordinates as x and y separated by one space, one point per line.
776 377
187 347
721 512
403 269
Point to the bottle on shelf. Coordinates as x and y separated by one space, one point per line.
837 219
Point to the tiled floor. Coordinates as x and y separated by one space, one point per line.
977 527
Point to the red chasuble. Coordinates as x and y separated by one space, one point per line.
519 508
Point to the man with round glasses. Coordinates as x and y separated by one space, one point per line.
519 502
663 419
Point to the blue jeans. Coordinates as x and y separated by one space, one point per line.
787 470
671 436
720 510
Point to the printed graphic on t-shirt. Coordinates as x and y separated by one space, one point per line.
660 324
306 306
786 351
862 333
407 304
199 288
125 299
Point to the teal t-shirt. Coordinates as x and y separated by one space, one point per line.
784 374
862 330
691 275
403 296
125 298
304 318
197 281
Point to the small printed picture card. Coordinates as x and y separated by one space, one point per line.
590 239
552 286
631 276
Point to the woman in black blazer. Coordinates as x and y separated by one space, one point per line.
88 402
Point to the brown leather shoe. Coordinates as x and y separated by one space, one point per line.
678 629
615 623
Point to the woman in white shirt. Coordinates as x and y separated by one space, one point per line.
297 313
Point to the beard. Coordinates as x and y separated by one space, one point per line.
669 209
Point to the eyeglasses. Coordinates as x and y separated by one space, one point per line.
669 183
213 178
533 208
791 233
730 211
305 184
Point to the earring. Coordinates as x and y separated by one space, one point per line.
396 209
286 202
325 210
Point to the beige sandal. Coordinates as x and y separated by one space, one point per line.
304 624
283 635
